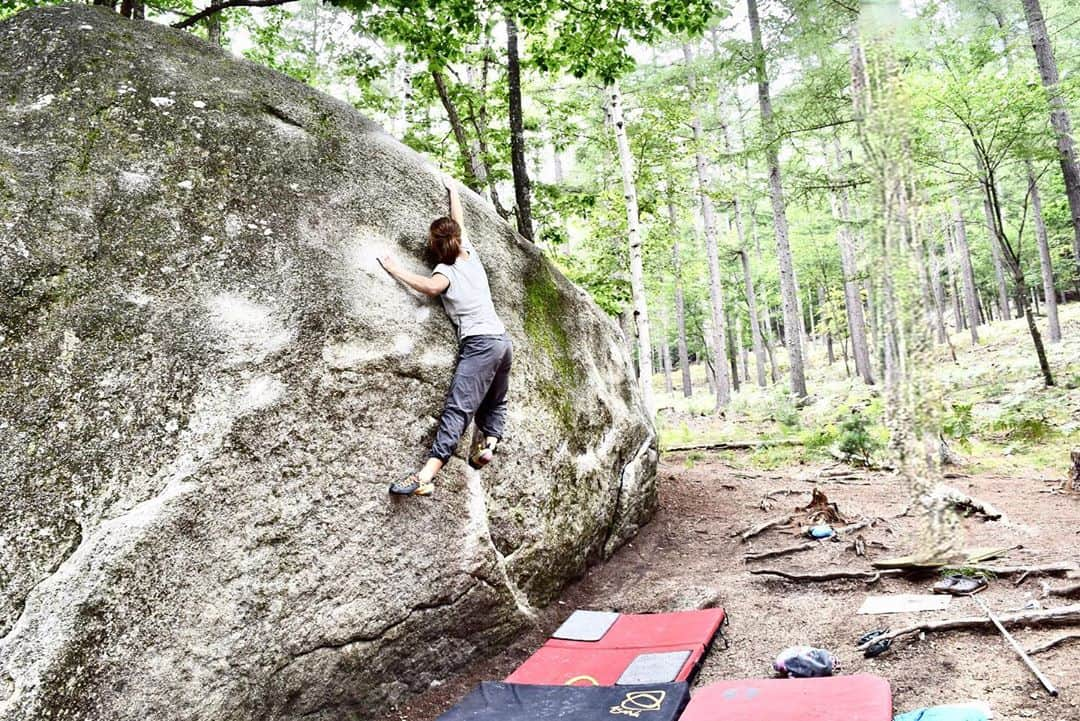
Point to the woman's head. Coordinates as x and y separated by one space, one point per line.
444 240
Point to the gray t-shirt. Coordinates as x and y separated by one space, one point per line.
467 299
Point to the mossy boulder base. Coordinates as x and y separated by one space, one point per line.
207 382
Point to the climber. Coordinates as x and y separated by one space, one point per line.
484 348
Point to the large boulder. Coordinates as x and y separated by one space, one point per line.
206 383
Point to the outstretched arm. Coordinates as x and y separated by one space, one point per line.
455 204
430 286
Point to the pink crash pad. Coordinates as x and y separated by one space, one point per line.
836 698
647 630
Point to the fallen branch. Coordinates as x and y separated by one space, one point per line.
772 553
1050 568
1068 591
735 445
1051 616
969 506
1053 642
869 576
764 526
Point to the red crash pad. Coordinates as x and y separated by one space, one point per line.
648 630
837 698
557 665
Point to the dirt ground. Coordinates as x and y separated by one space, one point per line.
690 552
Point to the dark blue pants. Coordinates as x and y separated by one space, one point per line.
478 389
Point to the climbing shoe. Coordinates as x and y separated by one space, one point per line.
411 485
958 585
481 455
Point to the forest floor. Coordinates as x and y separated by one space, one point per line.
1014 435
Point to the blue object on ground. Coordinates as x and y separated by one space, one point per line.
822 532
963 712
804 662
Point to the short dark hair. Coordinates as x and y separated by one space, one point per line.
444 239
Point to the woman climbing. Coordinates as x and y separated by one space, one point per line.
484 349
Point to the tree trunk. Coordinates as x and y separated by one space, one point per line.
665 360
995 258
788 287
950 263
633 233
852 300
472 164
213 25
1045 266
517 138
967 275
716 290
680 301
732 353
755 328
1012 258
937 292
1059 117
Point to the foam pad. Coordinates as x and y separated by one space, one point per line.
586 625
591 666
680 628
492 701
654 668
837 698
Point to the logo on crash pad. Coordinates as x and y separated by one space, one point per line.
638 701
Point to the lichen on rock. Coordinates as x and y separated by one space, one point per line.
206 382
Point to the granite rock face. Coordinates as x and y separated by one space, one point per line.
206 383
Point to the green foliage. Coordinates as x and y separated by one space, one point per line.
856 441
783 410
959 423
1026 421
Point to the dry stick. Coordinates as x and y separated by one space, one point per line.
735 445
781 551
870 576
1050 688
1050 568
764 526
1062 615
1053 642
1072 589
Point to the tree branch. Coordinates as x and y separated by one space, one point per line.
215 9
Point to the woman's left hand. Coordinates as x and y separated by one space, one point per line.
389 264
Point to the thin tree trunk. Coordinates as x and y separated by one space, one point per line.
517 138
788 287
852 300
950 263
665 360
937 291
1045 266
1059 117
473 164
716 291
995 258
633 233
732 353
680 301
967 275
755 328
213 25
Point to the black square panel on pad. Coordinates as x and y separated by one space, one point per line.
654 668
497 701
586 626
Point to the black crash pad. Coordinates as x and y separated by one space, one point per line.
498 701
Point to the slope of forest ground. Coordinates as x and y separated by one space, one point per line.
1015 440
